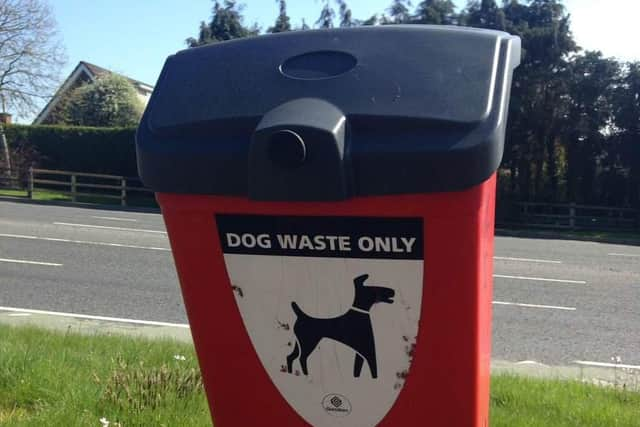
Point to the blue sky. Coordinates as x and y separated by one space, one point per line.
133 37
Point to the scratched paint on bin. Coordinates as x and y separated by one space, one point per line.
340 297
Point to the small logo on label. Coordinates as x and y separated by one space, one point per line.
336 405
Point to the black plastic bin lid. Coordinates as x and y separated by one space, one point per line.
330 114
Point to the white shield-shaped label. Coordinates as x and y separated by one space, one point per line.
332 306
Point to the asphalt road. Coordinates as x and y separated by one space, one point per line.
556 301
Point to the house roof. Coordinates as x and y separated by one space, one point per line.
92 71
99 71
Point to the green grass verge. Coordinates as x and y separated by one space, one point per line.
526 402
39 195
133 200
53 379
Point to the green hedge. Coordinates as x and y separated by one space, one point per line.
79 149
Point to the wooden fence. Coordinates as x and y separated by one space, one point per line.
9 179
572 216
75 184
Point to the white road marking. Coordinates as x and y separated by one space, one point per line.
92 317
540 279
625 255
545 261
24 261
519 304
530 362
104 227
605 364
19 314
83 242
113 218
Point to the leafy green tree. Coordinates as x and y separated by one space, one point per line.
574 119
627 124
398 13
283 23
484 14
226 24
539 94
346 18
110 101
304 25
437 12
59 114
372 20
592 80
327 15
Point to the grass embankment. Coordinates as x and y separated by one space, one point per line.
55 379
44 195
526 402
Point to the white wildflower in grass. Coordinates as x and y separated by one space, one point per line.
179 357
104 422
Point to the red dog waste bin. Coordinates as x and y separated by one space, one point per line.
329 197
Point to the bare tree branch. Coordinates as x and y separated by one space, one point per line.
31 54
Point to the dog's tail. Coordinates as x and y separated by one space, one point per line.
298 311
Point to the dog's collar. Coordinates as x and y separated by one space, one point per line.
359 310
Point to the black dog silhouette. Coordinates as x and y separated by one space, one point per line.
352 328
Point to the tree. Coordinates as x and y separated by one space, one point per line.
437 12
226 24
304 25
346 18
574 119
627 124
283 23
327 14
372 20
398 13
485 14
592 80
539 94
110 101
31 57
